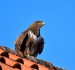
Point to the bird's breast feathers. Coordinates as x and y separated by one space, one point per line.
33 36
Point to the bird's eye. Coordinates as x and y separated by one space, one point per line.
38 24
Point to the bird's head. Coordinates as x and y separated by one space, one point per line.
35 27
38 24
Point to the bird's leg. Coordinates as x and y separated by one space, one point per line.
28 52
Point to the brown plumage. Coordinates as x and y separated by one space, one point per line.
30 42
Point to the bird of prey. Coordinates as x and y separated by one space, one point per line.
30 42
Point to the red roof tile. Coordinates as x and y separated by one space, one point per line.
9 61
6 67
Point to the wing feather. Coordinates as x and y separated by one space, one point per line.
39 45
19 40
40 49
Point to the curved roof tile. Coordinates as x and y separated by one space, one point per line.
11 61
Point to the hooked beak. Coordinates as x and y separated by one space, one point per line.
43 23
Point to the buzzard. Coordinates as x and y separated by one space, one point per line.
30 42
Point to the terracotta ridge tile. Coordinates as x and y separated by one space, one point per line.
6 67
15 64
30 64
40 62
28 61
14 57
10 55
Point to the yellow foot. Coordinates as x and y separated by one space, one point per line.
28 55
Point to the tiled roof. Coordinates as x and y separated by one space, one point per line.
10 61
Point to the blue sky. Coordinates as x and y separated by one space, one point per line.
59 31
